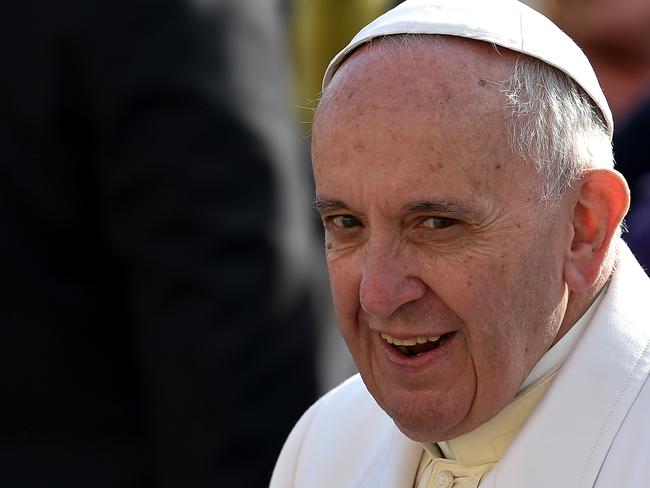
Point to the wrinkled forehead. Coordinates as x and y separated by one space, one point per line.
422 121
394 110
407 72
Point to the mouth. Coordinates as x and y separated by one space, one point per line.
415 346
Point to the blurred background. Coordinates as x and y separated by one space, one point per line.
165 307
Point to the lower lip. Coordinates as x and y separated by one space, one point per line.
422 361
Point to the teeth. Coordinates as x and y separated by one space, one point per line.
388 338
408 342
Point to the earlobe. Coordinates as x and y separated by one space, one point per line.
602 201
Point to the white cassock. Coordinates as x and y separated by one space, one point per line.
591 428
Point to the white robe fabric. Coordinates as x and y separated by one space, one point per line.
591 429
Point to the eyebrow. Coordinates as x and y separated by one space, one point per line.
322 204
450 207
443 207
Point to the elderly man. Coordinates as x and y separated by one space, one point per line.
464 176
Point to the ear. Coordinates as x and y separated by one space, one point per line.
603 199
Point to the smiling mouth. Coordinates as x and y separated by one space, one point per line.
415 346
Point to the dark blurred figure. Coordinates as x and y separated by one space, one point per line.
149 337
615 35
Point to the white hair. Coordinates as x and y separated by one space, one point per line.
554 125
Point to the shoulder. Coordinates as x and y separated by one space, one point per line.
343 432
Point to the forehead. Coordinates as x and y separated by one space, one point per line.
397 114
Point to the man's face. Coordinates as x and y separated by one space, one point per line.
434 229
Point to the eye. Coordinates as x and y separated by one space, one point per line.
344 221
437 222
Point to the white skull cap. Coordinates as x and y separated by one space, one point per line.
506 23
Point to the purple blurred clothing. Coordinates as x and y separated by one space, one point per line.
630 148
639 237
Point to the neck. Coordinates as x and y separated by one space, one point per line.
489 442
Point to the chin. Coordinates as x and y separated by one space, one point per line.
426 424
424 434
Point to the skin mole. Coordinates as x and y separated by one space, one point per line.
435 166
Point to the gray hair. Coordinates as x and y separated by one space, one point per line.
553 124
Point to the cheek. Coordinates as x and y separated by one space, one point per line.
492 295
512 322
344 283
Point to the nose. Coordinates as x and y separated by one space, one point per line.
388 281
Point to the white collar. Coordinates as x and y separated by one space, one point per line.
555 356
